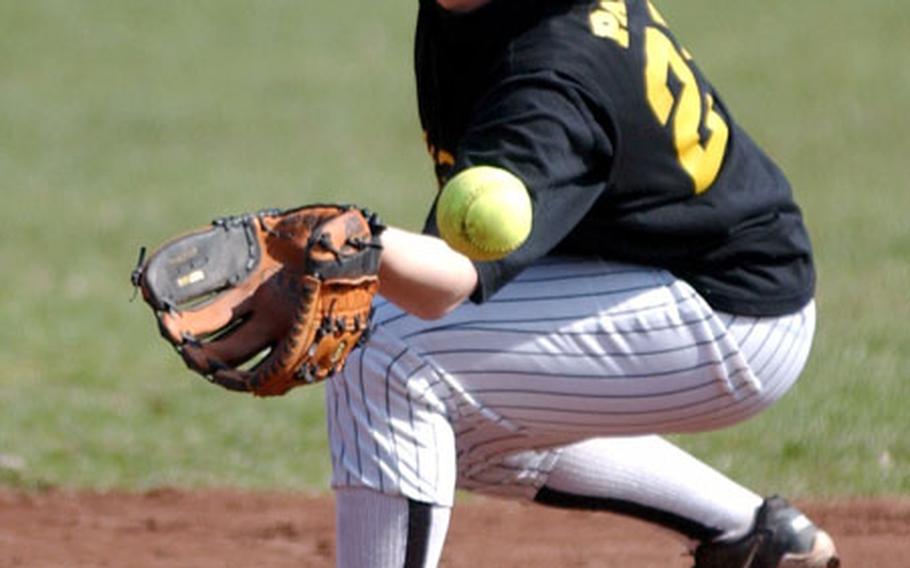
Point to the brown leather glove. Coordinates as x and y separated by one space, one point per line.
268 301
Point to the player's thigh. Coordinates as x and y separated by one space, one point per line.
586 347
583 347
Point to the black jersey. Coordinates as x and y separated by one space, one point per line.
627 151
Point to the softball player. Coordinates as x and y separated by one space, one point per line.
666 286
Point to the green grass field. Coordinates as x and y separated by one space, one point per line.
122 123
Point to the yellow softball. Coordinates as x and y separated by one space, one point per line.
484 212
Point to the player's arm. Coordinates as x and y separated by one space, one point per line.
422 275
537 126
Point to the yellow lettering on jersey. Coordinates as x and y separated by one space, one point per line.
701 162
440 157
445 158
610 20
710 158
655 15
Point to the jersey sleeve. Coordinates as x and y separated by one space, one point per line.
540 128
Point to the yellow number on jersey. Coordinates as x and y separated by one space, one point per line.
611 20
701 161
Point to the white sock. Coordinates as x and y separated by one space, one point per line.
650 478
375 530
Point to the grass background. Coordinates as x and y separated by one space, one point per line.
124 122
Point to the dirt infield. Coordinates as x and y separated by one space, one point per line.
233 529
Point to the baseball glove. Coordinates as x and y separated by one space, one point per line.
266 302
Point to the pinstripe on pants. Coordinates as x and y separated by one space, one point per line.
572 349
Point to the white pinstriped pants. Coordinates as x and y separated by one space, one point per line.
572 349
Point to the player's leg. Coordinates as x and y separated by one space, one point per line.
532 375
723 524
653 480
384 531
393 458
572 350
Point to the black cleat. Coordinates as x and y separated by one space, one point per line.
782 537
